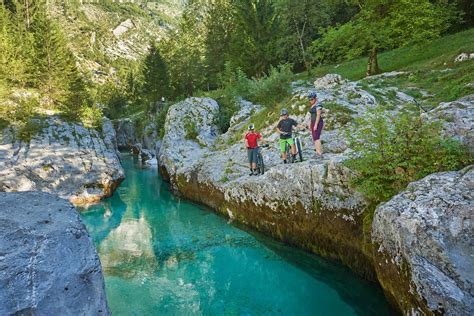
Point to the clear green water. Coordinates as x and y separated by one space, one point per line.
166 256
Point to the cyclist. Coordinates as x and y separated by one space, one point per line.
316 123
251 142
285 129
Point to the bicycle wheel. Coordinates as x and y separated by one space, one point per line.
299 148
260 164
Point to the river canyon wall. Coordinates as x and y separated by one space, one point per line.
311 204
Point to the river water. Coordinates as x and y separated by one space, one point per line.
162 255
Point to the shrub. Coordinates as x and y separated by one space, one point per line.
272 88
91 116
190 129
392 151
160 120
28 129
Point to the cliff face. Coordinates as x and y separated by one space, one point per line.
100 33
423 241
308 204
76 163
48 263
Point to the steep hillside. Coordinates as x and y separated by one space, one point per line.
109 38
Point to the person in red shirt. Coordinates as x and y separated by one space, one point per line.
251 142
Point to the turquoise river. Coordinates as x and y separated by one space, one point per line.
162 255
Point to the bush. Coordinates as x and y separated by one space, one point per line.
392 151
272 88
267 90
91 116
190 129
160 120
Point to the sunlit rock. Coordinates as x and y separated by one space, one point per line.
75 162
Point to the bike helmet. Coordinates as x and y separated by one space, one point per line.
312 95
251 127
283 112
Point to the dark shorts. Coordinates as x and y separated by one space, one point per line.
317 133
252 155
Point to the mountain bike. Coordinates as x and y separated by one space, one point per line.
260 163
299 149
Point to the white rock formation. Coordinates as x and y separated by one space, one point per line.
123 27
427 235
76 163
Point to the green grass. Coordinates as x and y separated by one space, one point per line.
433 55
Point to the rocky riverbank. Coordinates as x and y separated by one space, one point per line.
78 164
309 204
48 262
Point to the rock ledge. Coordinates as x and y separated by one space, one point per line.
48 263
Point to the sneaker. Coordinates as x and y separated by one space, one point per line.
251 173
284 161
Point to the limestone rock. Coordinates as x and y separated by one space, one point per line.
74 162
458 119
150 136
463 57
123 27
246 110
126 135
424 239
48 262
329 81
196 115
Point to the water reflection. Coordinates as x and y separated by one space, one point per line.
128 245
103 218
162 255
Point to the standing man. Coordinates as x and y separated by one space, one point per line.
316 123
251 142
285 129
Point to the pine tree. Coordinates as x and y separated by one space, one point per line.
57 76
156 79
254 41
219 27
15 45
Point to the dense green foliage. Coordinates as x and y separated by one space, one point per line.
248 39
267 90
222 48
38 68
383 25
392 151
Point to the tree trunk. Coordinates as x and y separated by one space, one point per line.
373 64
300 39
27 6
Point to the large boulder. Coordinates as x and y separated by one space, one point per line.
458 119
424 238
190 129
76 163
48 263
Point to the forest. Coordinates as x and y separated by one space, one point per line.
215 44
